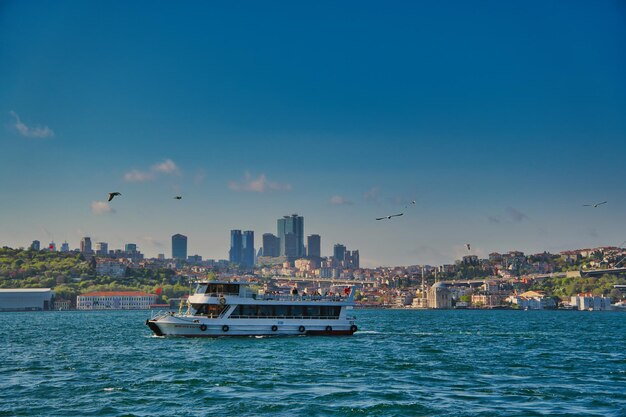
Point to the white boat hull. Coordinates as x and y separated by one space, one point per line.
190 327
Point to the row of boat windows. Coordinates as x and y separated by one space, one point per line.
215 289
254 311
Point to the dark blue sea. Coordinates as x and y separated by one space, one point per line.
400 363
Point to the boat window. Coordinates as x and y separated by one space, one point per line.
285 311
209 310
215 290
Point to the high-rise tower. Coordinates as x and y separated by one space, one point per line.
179 247
236 247
294 225
248 248
271 245
313 246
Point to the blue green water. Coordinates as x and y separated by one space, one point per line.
399 363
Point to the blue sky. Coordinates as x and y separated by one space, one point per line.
499 119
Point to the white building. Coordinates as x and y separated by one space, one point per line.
111 268
532 300
26 299
115 300
588 301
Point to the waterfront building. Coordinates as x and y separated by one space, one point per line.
102 248
339 252
179 247
531 300
36 245
314 246
236 247
26 299
247 254
130 248
85 246
293 224
486 300
439 296
115 300
271 245
588 301
161 256
65 247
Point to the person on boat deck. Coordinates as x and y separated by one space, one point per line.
304 292
294 291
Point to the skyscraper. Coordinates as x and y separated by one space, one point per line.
293 224
313 246
291 245
132 248
248 248
65 247
339 252
236 247
102 248
85 245
36 245
179 247
271 245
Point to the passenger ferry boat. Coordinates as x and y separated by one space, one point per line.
220 308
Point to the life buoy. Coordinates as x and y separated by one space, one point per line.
203 327
222 301
225 328
274 328
329 329
353 328
301 329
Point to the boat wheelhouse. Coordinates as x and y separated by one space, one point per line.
221 308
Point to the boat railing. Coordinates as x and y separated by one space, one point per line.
297 297
245 316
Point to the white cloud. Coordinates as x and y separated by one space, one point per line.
258 185
152 242
337 200
101 207
138 176
31 132
167 167
372 195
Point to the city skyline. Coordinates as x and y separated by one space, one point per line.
500 123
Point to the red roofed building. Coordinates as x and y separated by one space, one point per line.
115 300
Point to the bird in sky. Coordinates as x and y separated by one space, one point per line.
595 205
390 216
113 194
178 197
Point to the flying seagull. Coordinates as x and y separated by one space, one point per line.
389 217
178 197
111 195
595 205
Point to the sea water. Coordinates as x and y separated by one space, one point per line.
399 363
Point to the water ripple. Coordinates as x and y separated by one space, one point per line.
444 363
